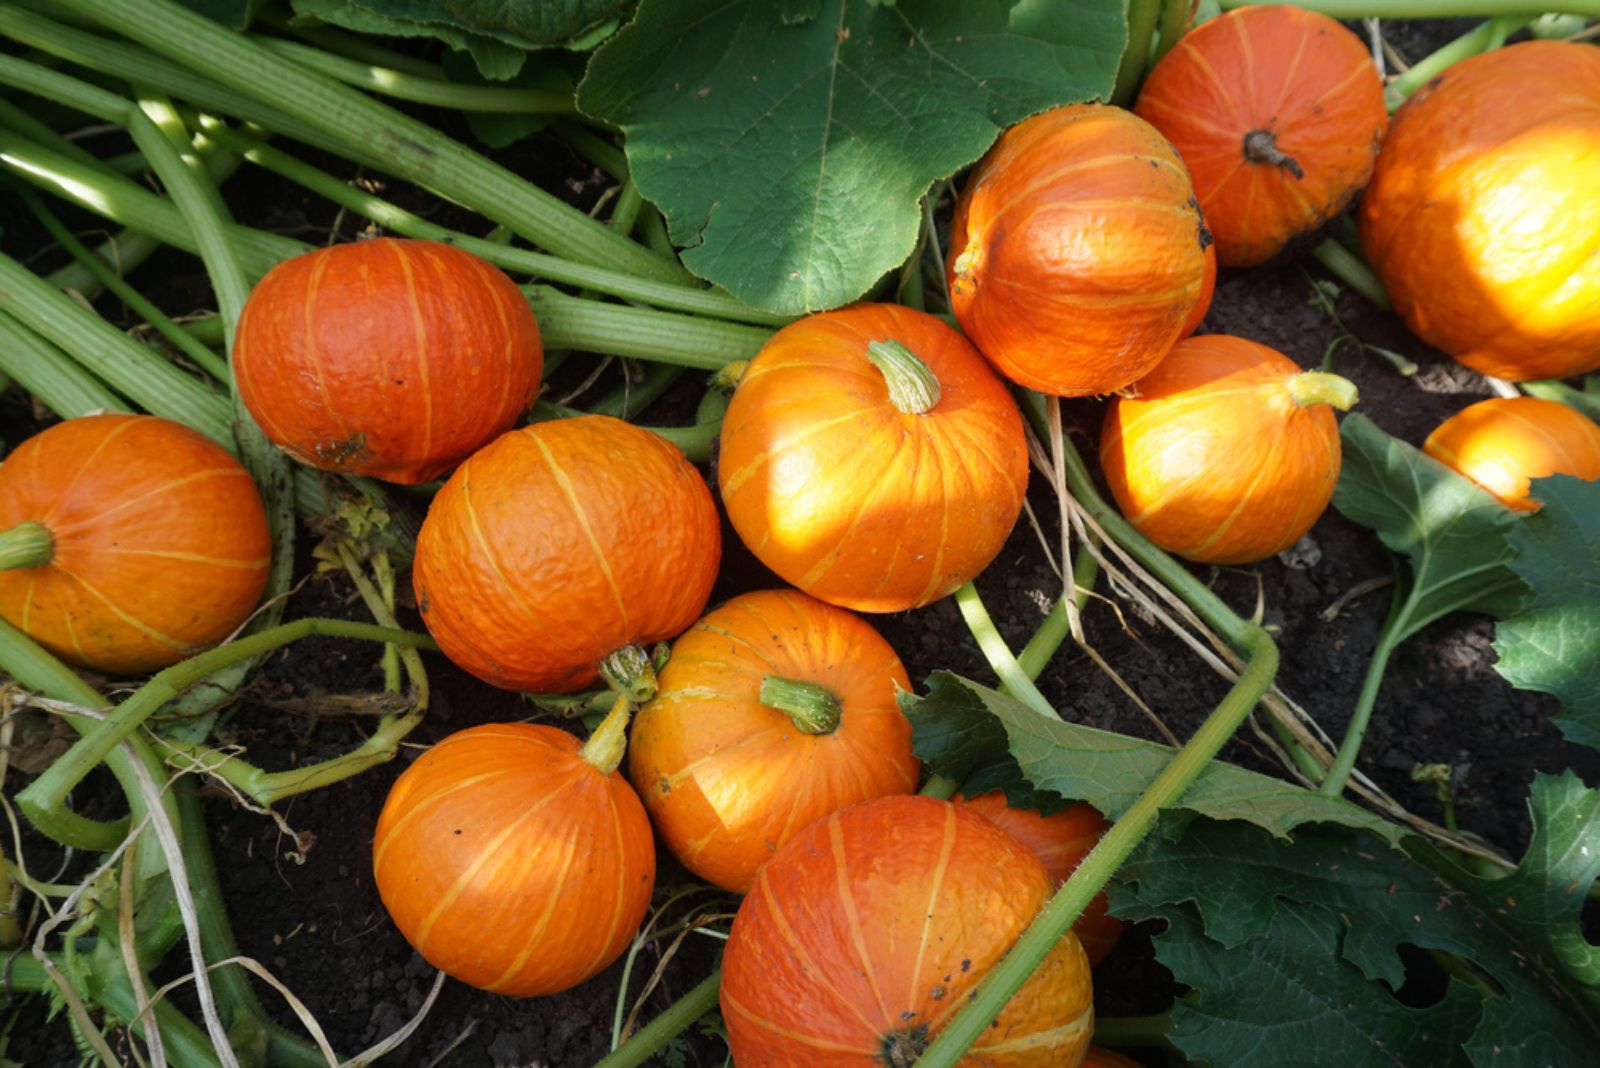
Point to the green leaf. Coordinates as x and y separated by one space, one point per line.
498 130
789 144
1454 536
234 14
1552 644
1318 920
954 732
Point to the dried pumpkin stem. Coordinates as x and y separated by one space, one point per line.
913 387
810 706
27 544
1319 387
1261 146
630 672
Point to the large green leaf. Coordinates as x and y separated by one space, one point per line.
986 740
1552 644
789 143
1454 536
1292 946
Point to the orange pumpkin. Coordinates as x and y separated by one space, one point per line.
866 932
389 357
1482 218
513 859
1504 442
1227 452
127 542
871 458
774 710
561 543
1104 1058
1278 113
1077 252
1060 841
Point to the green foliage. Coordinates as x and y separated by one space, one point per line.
1552 644
234 14
1292 945
986 740
788 144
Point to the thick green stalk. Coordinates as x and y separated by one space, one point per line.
641 333
810 706
1013 679
1549 389
1468 44
24 123
414 150
1389 638
644 1043
594 148
1054 920
625 213
1170 30
1055 628
28 544
1432 9
693 441
1352 270
1142 18
50 374
631 398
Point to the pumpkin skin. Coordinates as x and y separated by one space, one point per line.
1505 442
1278 113
1208 289
511 863
864 934
1104 1058
1482 218
852 500
1213 459
1077 251
1060 840
161 545
390 357
559 543
727 779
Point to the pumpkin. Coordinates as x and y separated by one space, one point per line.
127 542
560 544
1208 289
866 932
871 458
388 357
1482 218
774 710
1077 251
1504 442
514 859
1278 113
1226 453
1104 1058
1060 841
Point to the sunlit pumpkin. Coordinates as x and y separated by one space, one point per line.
1504 442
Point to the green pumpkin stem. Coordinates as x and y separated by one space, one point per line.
810 707
27 544
608 743
631 672
1319 387
913 388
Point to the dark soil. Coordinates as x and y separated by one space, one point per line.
314 918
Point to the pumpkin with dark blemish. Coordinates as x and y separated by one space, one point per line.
563 542
839 950
1277 112
389 357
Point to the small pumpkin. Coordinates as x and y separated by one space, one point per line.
774 710
1227 452
871 458
1504 442
1482 218
388 357
515 859
1060 840
128 542
1077 251
1278 113
866 932
561 543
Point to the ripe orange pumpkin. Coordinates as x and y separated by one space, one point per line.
1227 452
1278 113
856 478
1060 840
1077 251
561 543
1482 218
774 710
390 357
127 542
1504 442
865 933
512 859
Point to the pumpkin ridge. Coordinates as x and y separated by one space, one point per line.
737 479
1356 73
83 466
808 966
1223 92
935 576
314 346
1245 499
1036 1040
1044 181
858 938
420 329
759 653
182 480
417 807
1556 443
975 443
947 845
621 898
489 555
188 558
27 603
813 1041
77 643
1092 300
717 754
1191 117
499 297
564 484
888 571
137 624
883 484
574 828
1290 76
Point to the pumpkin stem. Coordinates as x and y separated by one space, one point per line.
631 673
900 1049
913 387
1320 387
27 544
810 706
727 377
609 742
1261 146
